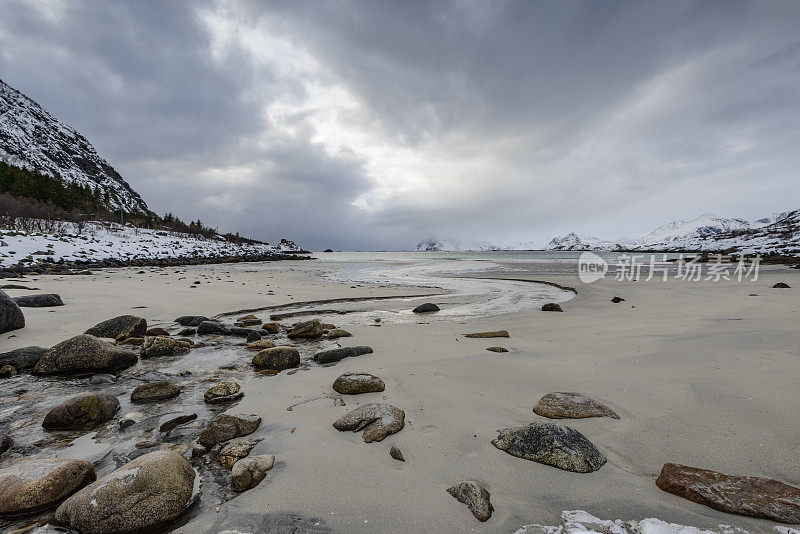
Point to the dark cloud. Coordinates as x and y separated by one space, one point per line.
375 124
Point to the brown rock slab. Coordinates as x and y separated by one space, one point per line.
163 346
494 333
336 333
261 344
497 349
271 328
156 331
277 358
308 329
177 421
395 453
82 412
120 328
36 485
249 472
475 497
155 391
225 427
355 383
376 420
571 406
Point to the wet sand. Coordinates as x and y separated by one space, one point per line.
701 373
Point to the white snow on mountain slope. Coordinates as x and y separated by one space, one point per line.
452 245
705 225
101 240
32 138
573 241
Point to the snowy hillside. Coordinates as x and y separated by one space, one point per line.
451 245
99 241
703 226
573 241
32 138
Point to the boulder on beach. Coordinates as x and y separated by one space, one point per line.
84 354
82 412
493 333
334 355
307 329
120 328
567 405
34 486
355 383
751 496
225 427
551 444
497 349
552 306
395 453
249 472
226 390
336 333
261 344
42 300
236 451
145 495
11 317
240 331
154 392
156 331
23 359
253 336
617 300
475 497
277 358
271 328
428 307
163 346
213 327
191 320
781 285
376 420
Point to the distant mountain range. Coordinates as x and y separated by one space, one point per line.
779 233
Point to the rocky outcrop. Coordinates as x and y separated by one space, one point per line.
163 346
355 383
225 427
571 406
154 392
249 472
191 320
334 355
43 300
376 420
236 451
213 327
309 329
84 354
551 444
226 390
11 317
750 496
428 307
494 333
120 328
82 412
145 495
37 485
23 359
277 358
475 497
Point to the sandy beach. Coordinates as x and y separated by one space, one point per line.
701 373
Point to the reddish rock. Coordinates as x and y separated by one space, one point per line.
750 496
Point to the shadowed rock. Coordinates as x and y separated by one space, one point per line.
355 383
5 443
225 427
120 328
750 496
177 421
571 406
494 333
395 453
84 354
43 300
308 329
334 355
213 327
551 444
475 497
336 333
235 452
82 412
163 346
617 300
249 472
23 359
552 306
36 485
781 285
376 420
497 349
191 320
156 331
277 358
145 495
155 391
428 307
224 391
11 317
271 328
253 336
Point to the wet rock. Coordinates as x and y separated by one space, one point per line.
249 472
99 380
120 328
334 355
271 328
235 452
253 336
7 371
551 444
395 453
146 445
163 346
11 317
213 327
84 354
248 317
82 412
42 300
156 331
277 358
781 285
176 422
155 391
475 497
617 300
23 359
336 333
191 320
308 329
125 423
328 326
37 485
18 286
552 306
426 308
145 495
138 341
750 496
261 344
240 331
497 349
355 383
227 390
187 332
376 420
493 333
571 406
225 427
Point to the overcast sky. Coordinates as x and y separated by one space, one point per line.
373 125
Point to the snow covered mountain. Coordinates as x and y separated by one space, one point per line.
451 245
573 241
32 138
703 226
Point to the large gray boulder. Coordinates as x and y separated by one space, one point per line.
82 412
22 359
36 485
154 392
120 328
143 496
213 327
42 300
84 354
11 317
356 383
376 420
225 427
277 358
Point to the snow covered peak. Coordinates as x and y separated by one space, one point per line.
451 245
32 138
703 226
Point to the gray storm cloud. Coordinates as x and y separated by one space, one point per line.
372 125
